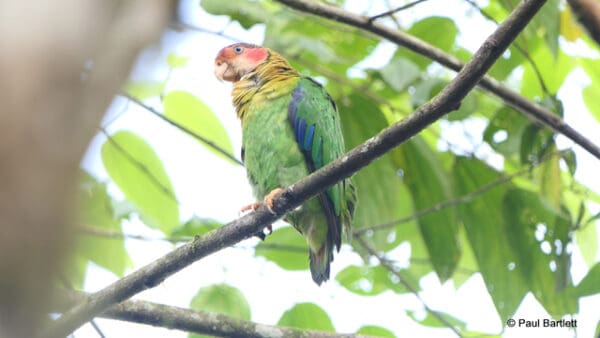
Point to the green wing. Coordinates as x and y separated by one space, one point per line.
315 121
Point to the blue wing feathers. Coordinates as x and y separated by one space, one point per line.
308 139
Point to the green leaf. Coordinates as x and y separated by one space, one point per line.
247 13
535 142
196 226
550 178
590 284
223 299
313 43
438 31
372 280
430 184
591 94
561 66
144 89
546 272
139 173
505 130
306 316
570 158
380 194
188 111
467 266
176 61
74 271
425 90
432 321
505 65
375 331
482 219
587 241
400 73
96 212
285 247
546 24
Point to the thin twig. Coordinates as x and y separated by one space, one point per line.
293 196
509 96
395 10
183 128
386 264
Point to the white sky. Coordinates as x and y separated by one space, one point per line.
210 187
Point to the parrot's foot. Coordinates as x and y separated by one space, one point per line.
270 197
268 201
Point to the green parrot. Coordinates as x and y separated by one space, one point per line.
290 128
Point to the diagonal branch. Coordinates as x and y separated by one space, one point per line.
509 96
201 322
291 197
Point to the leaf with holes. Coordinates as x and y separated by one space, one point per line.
539 236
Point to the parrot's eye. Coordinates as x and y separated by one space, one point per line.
238 49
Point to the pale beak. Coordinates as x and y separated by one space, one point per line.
223 71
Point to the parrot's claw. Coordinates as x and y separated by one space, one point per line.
270 197
251 207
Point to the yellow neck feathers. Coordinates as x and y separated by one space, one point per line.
269 80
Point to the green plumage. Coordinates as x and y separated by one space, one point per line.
290 128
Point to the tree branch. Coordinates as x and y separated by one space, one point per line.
292 196
201 322
509 96
588 14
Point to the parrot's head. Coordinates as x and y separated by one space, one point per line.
239 59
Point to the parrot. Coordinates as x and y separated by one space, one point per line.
290 128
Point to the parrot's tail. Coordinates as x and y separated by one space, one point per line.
320 262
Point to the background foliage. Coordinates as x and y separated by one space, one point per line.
505 204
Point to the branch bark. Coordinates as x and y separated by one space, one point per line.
201 322
291 197
509 96
588 14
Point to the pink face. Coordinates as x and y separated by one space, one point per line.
237 60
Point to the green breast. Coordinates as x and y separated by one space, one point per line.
271 155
